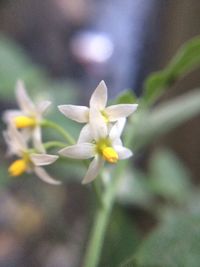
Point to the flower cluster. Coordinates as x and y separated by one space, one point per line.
100 137
24 139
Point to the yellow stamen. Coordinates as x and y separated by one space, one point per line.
105 116
18 167
110 154
24 121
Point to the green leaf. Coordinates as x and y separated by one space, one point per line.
129 263
186 60
121 239
175 243
127 97
134 189
14 65
168 176
163 118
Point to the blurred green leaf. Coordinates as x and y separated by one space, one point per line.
14 65
127 97
121 239
163 118
134 189
174 243
129 263
187 59
168 176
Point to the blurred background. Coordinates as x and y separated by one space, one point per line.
62 49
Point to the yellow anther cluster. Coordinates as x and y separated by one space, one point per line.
110 154
24 122
18 167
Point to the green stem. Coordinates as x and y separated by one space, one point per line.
97 190
52 144
102 218
58 128
97 236
103 212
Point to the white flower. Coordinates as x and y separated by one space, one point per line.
27 161
100 144
28 117
98 101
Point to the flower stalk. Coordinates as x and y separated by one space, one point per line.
59 129
103 213
102 217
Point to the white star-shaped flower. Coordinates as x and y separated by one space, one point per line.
27 161
98 101
98 143
28 117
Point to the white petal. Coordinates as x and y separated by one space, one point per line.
85 135
117 142
9 115
43 175
98 126
43 106
23 99
17 138
27 134
123 152
79 151
75 113
93 170
11 150
43 159
37 139
15 141
116 112
117 129
99 97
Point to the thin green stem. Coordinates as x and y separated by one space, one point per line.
97 191
102 218
97 236
103 213
58 128
52 144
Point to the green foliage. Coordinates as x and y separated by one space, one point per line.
14 65
121 239
174 243
151 124
187 59
127 97
134 189
169 178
